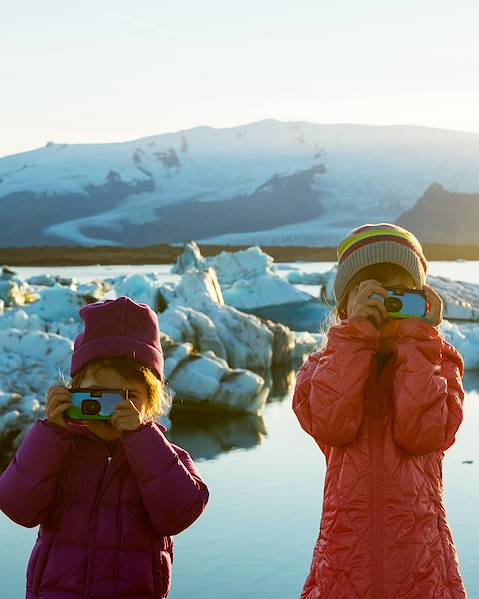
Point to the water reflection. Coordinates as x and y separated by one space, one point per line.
280 379
206 435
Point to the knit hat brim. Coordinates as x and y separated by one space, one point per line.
113 347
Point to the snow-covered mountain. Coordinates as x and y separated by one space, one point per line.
269 182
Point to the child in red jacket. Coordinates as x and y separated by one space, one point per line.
383 399
108 495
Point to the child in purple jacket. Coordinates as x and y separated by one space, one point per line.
108 496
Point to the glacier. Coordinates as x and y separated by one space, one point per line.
218 358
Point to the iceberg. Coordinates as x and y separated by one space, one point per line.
245 340
465 338
247 278
229 266
262 291
218 358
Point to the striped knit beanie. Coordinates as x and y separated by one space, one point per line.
373 243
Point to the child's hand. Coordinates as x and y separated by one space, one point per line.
434 313
58 401
127 417
365 307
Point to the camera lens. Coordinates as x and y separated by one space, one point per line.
90 407
393 304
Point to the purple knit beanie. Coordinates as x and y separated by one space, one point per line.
115 328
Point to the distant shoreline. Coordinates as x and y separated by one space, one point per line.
167 254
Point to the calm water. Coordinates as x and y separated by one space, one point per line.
265 477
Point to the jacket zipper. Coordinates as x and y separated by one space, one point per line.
377 490
91 549
117 552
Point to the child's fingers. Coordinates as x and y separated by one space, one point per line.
372 286
126 406
57 414
53 407
122 406
57 392
55 400
379 305
374 313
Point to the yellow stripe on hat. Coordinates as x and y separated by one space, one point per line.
348 242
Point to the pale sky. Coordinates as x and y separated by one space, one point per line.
114 70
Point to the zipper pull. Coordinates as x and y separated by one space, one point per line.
109 460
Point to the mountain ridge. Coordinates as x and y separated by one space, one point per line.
191 183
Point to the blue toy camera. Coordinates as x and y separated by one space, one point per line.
95 404
404 303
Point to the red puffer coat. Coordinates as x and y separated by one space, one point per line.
105 523
384 533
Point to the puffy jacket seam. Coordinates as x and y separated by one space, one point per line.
173 462
64 432
33 476
118 544
185 518
446 578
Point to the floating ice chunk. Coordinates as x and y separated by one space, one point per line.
465 338
461 299
30 360
244 264
48 280
200 289
7 399
93 291
242 391
175 357
298 277
248 341
6 420
45 280
19 319
141 288
190 257
13 293
208 381
306 343
229 266
185 324
57 303
264 290
247 278
198 379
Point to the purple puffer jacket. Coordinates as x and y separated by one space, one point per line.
105 526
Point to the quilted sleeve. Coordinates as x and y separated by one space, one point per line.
173 493
28 485
427 391
328 399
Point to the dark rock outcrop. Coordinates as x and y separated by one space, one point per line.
441 216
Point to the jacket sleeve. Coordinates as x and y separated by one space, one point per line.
173 493
427 391
328 399
28 485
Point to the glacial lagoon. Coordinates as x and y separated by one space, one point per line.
266 476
